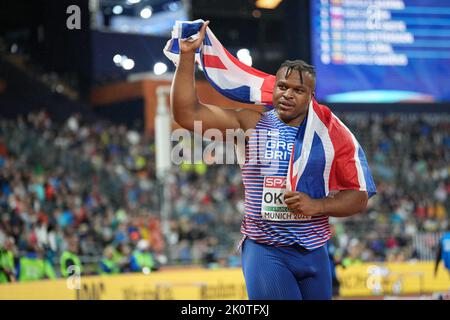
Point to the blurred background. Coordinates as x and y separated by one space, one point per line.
84 181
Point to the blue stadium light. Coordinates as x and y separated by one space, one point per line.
117 9
146 12
174 6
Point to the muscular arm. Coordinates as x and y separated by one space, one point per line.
345 203
186 108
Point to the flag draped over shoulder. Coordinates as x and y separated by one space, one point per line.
324 147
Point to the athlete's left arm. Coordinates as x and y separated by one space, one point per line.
345 203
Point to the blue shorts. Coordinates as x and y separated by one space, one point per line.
286 273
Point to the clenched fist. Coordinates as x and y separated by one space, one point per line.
187 46
300 202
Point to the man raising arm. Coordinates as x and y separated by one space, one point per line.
186 107
284 255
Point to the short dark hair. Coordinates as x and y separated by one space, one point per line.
300 66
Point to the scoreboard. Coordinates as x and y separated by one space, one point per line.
376 51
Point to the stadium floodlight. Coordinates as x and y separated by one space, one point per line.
133 1
59 88
245 57
117 9
146 12
174 6
128 64
14 48
159 68
118 59
267 4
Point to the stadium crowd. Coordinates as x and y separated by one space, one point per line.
86 195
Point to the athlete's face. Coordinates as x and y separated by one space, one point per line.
292 94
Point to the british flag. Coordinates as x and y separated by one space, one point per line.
326 156
225 73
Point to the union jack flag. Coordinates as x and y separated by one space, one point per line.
326 156
225 73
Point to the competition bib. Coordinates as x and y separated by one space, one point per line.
273 207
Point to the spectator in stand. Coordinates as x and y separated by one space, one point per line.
142 260
33 266
107 263
70 262
122 257
7 261
443 252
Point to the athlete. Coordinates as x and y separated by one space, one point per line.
443 252
284 252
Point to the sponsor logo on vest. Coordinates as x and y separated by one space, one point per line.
273 206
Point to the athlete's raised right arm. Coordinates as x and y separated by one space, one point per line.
185 105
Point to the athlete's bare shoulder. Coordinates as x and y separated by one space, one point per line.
248 118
